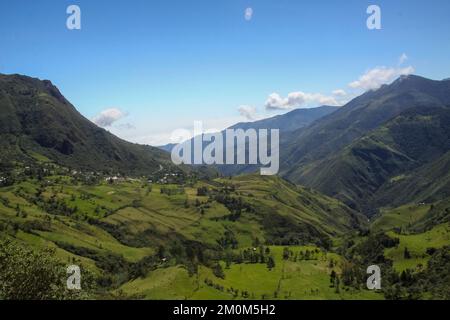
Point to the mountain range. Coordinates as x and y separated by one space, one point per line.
372 142
362 184
387 147
290 121
384 148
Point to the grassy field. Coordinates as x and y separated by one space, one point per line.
40 229
131 220
401 222
289 279
417 245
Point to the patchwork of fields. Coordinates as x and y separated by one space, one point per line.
305 279
205 240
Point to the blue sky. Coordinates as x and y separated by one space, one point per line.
161 64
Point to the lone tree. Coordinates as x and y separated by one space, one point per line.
337 283
218 271
406 253
332 278
286 253
270 263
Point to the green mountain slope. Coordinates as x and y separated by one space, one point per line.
361 115
399 162
383 148
35 118
428 183
413 217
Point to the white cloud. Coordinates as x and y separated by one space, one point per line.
402 59
298 99
248 15
376 77
275 101
107 117
248 112
339 93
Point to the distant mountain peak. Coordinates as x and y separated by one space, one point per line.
409 77
404 77
413 82
414 77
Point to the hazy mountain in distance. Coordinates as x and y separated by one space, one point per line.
289 121
167 147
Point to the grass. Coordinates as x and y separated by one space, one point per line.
168 283
401 217
288 280
417 245
133 210
66 230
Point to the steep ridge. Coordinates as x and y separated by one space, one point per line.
35 118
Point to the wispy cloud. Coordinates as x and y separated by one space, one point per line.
376 77
298 99
339 93
107 117
248 14
370 80
248 112
402 59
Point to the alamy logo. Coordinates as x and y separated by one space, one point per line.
233 146
74 20
74 279
374 20
374 280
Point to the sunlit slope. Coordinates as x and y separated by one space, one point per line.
131 220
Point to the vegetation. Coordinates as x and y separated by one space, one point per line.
388 147
30 275
140 228
242 238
